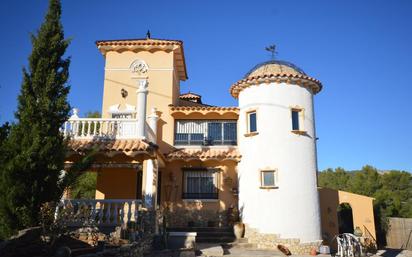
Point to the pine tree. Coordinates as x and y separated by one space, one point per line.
35 147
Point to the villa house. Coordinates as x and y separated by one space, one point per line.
170 151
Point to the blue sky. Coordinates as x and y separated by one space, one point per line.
360 50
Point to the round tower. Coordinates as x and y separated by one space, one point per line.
277 140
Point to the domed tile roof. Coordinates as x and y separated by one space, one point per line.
276 71
274 67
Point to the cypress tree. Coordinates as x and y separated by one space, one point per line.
34 148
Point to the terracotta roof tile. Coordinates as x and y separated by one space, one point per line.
203 108
203 154
117 145
300 79
147 44
190 96
138 41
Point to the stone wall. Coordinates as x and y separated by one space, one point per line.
271 241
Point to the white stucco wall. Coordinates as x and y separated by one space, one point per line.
292 209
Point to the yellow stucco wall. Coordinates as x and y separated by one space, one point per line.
163 87
172 177
362 211
116 183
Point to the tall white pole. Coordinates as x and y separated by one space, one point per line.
141 107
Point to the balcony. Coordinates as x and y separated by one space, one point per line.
205 132
102 128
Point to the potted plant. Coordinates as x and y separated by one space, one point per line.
239 229
238 226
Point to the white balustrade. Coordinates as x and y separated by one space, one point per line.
110 128
89 128
94 128
105 212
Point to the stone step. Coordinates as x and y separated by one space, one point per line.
215 239
240 243
240 252
200 229
215 234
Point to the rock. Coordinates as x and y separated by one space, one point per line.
63 251
26 243
117 233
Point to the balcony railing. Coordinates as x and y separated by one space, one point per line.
205 132
105 212
107 128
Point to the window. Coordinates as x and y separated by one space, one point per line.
251 119
297 115
268 178
205 132
214 132
229 133
295 119
200 184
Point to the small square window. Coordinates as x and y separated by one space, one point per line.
268 178
251 118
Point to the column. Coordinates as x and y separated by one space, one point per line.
150 183
141 107
152 120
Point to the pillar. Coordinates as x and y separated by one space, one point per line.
152 120
141 107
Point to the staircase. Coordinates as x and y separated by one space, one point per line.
213 235
220 241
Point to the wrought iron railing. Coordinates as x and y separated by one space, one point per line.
205 132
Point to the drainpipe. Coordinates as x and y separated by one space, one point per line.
152 120
141 107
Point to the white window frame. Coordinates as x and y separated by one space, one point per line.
275 178
301 119
248 123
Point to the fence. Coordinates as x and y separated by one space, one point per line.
399 234
105 212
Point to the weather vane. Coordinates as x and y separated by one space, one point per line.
272 50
